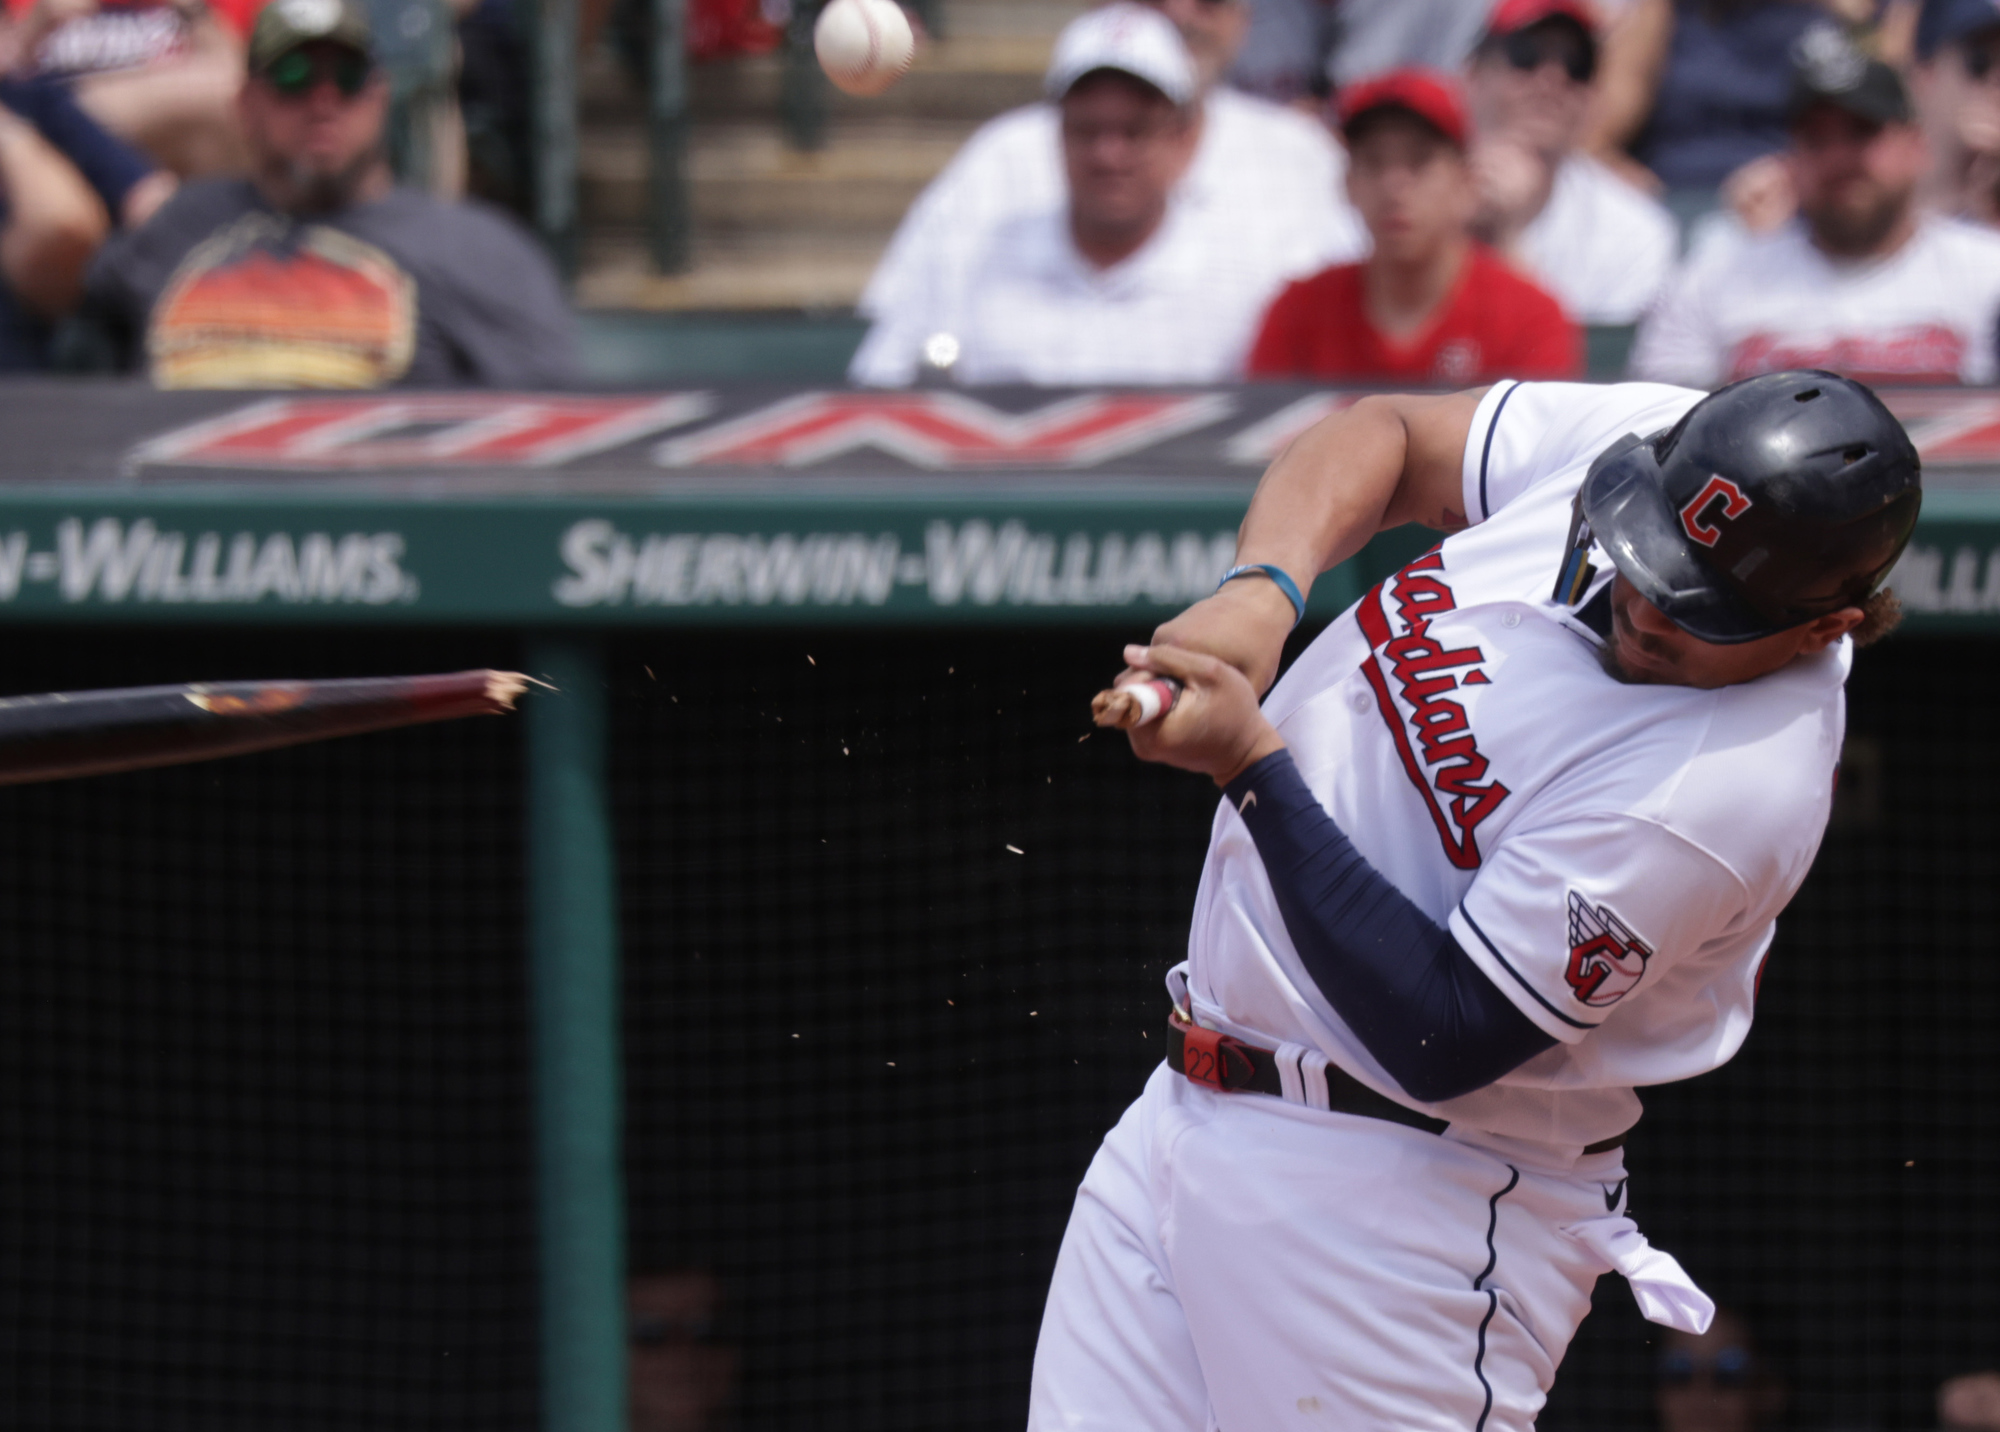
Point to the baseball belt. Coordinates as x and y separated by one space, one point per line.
1222 1062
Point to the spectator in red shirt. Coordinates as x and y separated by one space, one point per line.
1429 304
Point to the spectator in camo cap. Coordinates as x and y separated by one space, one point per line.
319 271
1862 281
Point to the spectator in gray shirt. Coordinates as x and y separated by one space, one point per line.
318 271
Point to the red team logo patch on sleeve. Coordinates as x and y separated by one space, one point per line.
1606 960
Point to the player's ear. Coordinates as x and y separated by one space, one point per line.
1823 632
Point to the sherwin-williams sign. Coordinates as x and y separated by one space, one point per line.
173 556
187 556
725 506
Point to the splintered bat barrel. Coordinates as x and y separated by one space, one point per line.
94 733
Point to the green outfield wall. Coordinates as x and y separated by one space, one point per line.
739 506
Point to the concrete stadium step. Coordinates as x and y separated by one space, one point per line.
1038 19
774 227
969 79
764 271
991 59
744 179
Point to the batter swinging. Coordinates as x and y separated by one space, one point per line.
1508 841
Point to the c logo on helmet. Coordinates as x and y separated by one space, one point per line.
1719 489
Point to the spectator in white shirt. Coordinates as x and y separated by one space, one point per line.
1862 281
1276 172
1602 247
1123 279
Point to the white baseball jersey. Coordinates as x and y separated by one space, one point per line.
1613 857
1749 304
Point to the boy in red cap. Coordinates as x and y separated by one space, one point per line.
1428 304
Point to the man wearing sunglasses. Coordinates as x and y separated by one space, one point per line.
349 280
1863 281
1599 245
1956 83
1273 174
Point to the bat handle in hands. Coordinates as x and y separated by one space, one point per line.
1216 725
1135 700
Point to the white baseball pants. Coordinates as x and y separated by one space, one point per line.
1242 1263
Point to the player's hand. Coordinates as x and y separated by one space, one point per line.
1216 727
1244 624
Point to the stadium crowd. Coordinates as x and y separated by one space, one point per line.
1754 184
1407 191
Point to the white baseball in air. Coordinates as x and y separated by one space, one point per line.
864 45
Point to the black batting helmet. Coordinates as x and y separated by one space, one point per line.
1773 501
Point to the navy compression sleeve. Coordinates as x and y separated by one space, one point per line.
1405 987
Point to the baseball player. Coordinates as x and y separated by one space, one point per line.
1507 842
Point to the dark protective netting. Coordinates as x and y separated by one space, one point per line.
895 939
1839 1181
263 1130
264 1150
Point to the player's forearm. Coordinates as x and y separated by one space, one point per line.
1383 462
1327 493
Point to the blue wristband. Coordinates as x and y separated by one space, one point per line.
1277 574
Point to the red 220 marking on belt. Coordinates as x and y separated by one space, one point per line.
1457 792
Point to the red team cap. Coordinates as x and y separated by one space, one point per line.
1512 15
1430 95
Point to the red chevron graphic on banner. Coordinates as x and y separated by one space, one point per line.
1259 444
1950 429
425 430
947 430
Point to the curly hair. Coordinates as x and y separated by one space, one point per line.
1881 614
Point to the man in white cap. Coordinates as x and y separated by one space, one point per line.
1126 278
1274 172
